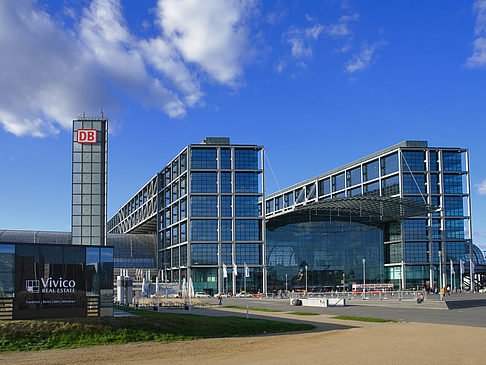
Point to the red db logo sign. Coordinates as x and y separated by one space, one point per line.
86 136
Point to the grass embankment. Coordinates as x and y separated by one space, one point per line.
304 313
364 319
29 335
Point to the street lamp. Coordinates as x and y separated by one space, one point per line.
440 274
344 282
364 278
305 279
286 284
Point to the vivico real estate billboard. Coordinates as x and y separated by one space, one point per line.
50 282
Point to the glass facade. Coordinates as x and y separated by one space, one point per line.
410 170
89 182
56 281
331 250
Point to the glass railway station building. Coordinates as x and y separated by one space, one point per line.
205 216
397 209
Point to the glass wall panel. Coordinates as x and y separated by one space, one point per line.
372 189
389 164
226 186
288 200
393 253
204 158
204 253
330 249
413 160
204 206
415 229
414 184
452 184
371 170
324 187
338 182
246 182
353 177
226 206
225 158
390 186
454 206
247 206
226 230
310 191
452 161
204 229
204 182
248 230
249 253
246 159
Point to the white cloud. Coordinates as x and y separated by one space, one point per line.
300 39
341 28
478 58
362 60
215 38
49 73
481 187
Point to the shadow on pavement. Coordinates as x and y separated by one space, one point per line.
460 304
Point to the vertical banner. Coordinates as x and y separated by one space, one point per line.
247 271
225 271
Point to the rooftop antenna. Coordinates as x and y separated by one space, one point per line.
101 113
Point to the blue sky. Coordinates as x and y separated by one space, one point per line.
318 83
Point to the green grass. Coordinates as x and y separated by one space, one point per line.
30 335
305 313
251 308
364 319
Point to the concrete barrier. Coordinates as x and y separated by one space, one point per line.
320 302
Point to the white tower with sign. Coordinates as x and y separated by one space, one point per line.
89 181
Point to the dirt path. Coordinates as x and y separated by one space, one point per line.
374 343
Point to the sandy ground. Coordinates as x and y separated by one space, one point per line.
360 343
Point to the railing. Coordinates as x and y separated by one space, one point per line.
369 295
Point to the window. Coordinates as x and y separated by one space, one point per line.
299 195
204 229
183 209
389 164
372 189
203 158
454 206
225 158
204 254
390 186
227 254
454 228
452 184
183 162
414 184
415 229
354 192
413 160
353 177
204 182
288 200
246 159
370 171
175 191
393 253
247 230
338 182
452 161
183 232
226 229
246 182
416 252
310 191
324 187
434 184
249 253
269 206
226 206
226 182
434 161
279 202
204 206
183 184
247 206
175 170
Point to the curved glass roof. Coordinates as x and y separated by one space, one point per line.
373 210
